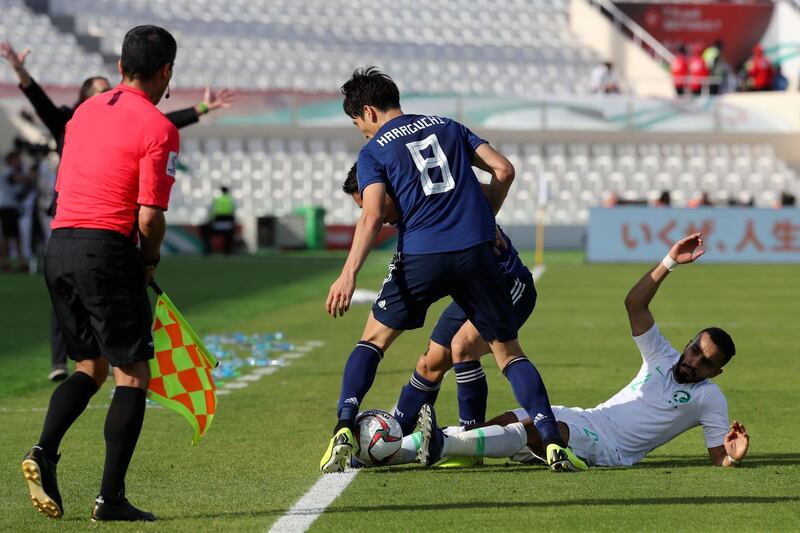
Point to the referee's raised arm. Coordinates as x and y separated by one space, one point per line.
114 182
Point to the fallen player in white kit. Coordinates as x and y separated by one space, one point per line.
670 394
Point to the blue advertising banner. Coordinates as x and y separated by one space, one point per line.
732 235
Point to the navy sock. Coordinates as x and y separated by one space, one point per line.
359 373
531 395
417 392
473 392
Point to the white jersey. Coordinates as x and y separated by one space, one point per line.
654 408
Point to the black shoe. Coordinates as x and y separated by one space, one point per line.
58 373
40 473
123 510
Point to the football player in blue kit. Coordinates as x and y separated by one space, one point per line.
445 247
454 342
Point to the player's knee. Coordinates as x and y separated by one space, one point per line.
434 374
464 351
97 369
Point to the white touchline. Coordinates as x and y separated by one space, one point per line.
241 382
313 503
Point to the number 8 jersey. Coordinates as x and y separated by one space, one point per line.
426 164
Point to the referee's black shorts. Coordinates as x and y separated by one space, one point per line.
97 283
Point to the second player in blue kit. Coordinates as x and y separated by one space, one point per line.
445 247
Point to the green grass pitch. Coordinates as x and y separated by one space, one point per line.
263 450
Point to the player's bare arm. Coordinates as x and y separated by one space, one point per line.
17 62
152 226
637 302
733 452
367 228
490 160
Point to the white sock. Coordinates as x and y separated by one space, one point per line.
521 414
408 450
453 430
490 441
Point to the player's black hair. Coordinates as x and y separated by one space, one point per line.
224 189
145 50
369 86
722 341
86 87
350 184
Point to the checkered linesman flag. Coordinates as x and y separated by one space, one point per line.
180 373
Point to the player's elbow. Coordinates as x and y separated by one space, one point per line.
632 302
372 220
504 172
151 219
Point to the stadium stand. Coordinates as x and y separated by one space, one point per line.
58 59
275 176
465 47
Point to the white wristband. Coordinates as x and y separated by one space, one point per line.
669 263
732 461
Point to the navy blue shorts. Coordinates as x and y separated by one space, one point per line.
523 296
471 277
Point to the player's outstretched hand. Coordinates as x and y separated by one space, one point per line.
340 295
688 249
737 441
14 59
222 98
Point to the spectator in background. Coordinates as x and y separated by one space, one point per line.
759 71
604 80
665 200
700 201
712 56
15 185
680 70
779 81
698 71
787 199
222 222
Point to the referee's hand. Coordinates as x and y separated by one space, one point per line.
149 274
340 296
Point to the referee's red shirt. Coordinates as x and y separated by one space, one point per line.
120 152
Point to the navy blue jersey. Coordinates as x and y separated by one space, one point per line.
426 164
510 263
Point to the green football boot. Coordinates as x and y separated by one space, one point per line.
460 462
563 460
342 445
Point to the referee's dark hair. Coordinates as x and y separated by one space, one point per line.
145 50
350 184
369 86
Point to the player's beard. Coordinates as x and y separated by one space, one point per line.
684 374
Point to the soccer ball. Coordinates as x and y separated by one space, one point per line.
379 437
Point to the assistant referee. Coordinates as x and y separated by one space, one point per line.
114 182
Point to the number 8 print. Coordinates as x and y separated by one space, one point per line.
424 164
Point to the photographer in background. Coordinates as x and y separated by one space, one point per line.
56 118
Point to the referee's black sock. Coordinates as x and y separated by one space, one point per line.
123 424
67 403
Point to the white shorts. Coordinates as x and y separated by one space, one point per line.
586 438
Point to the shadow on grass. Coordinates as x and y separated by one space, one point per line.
665 462
753 460
499 504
